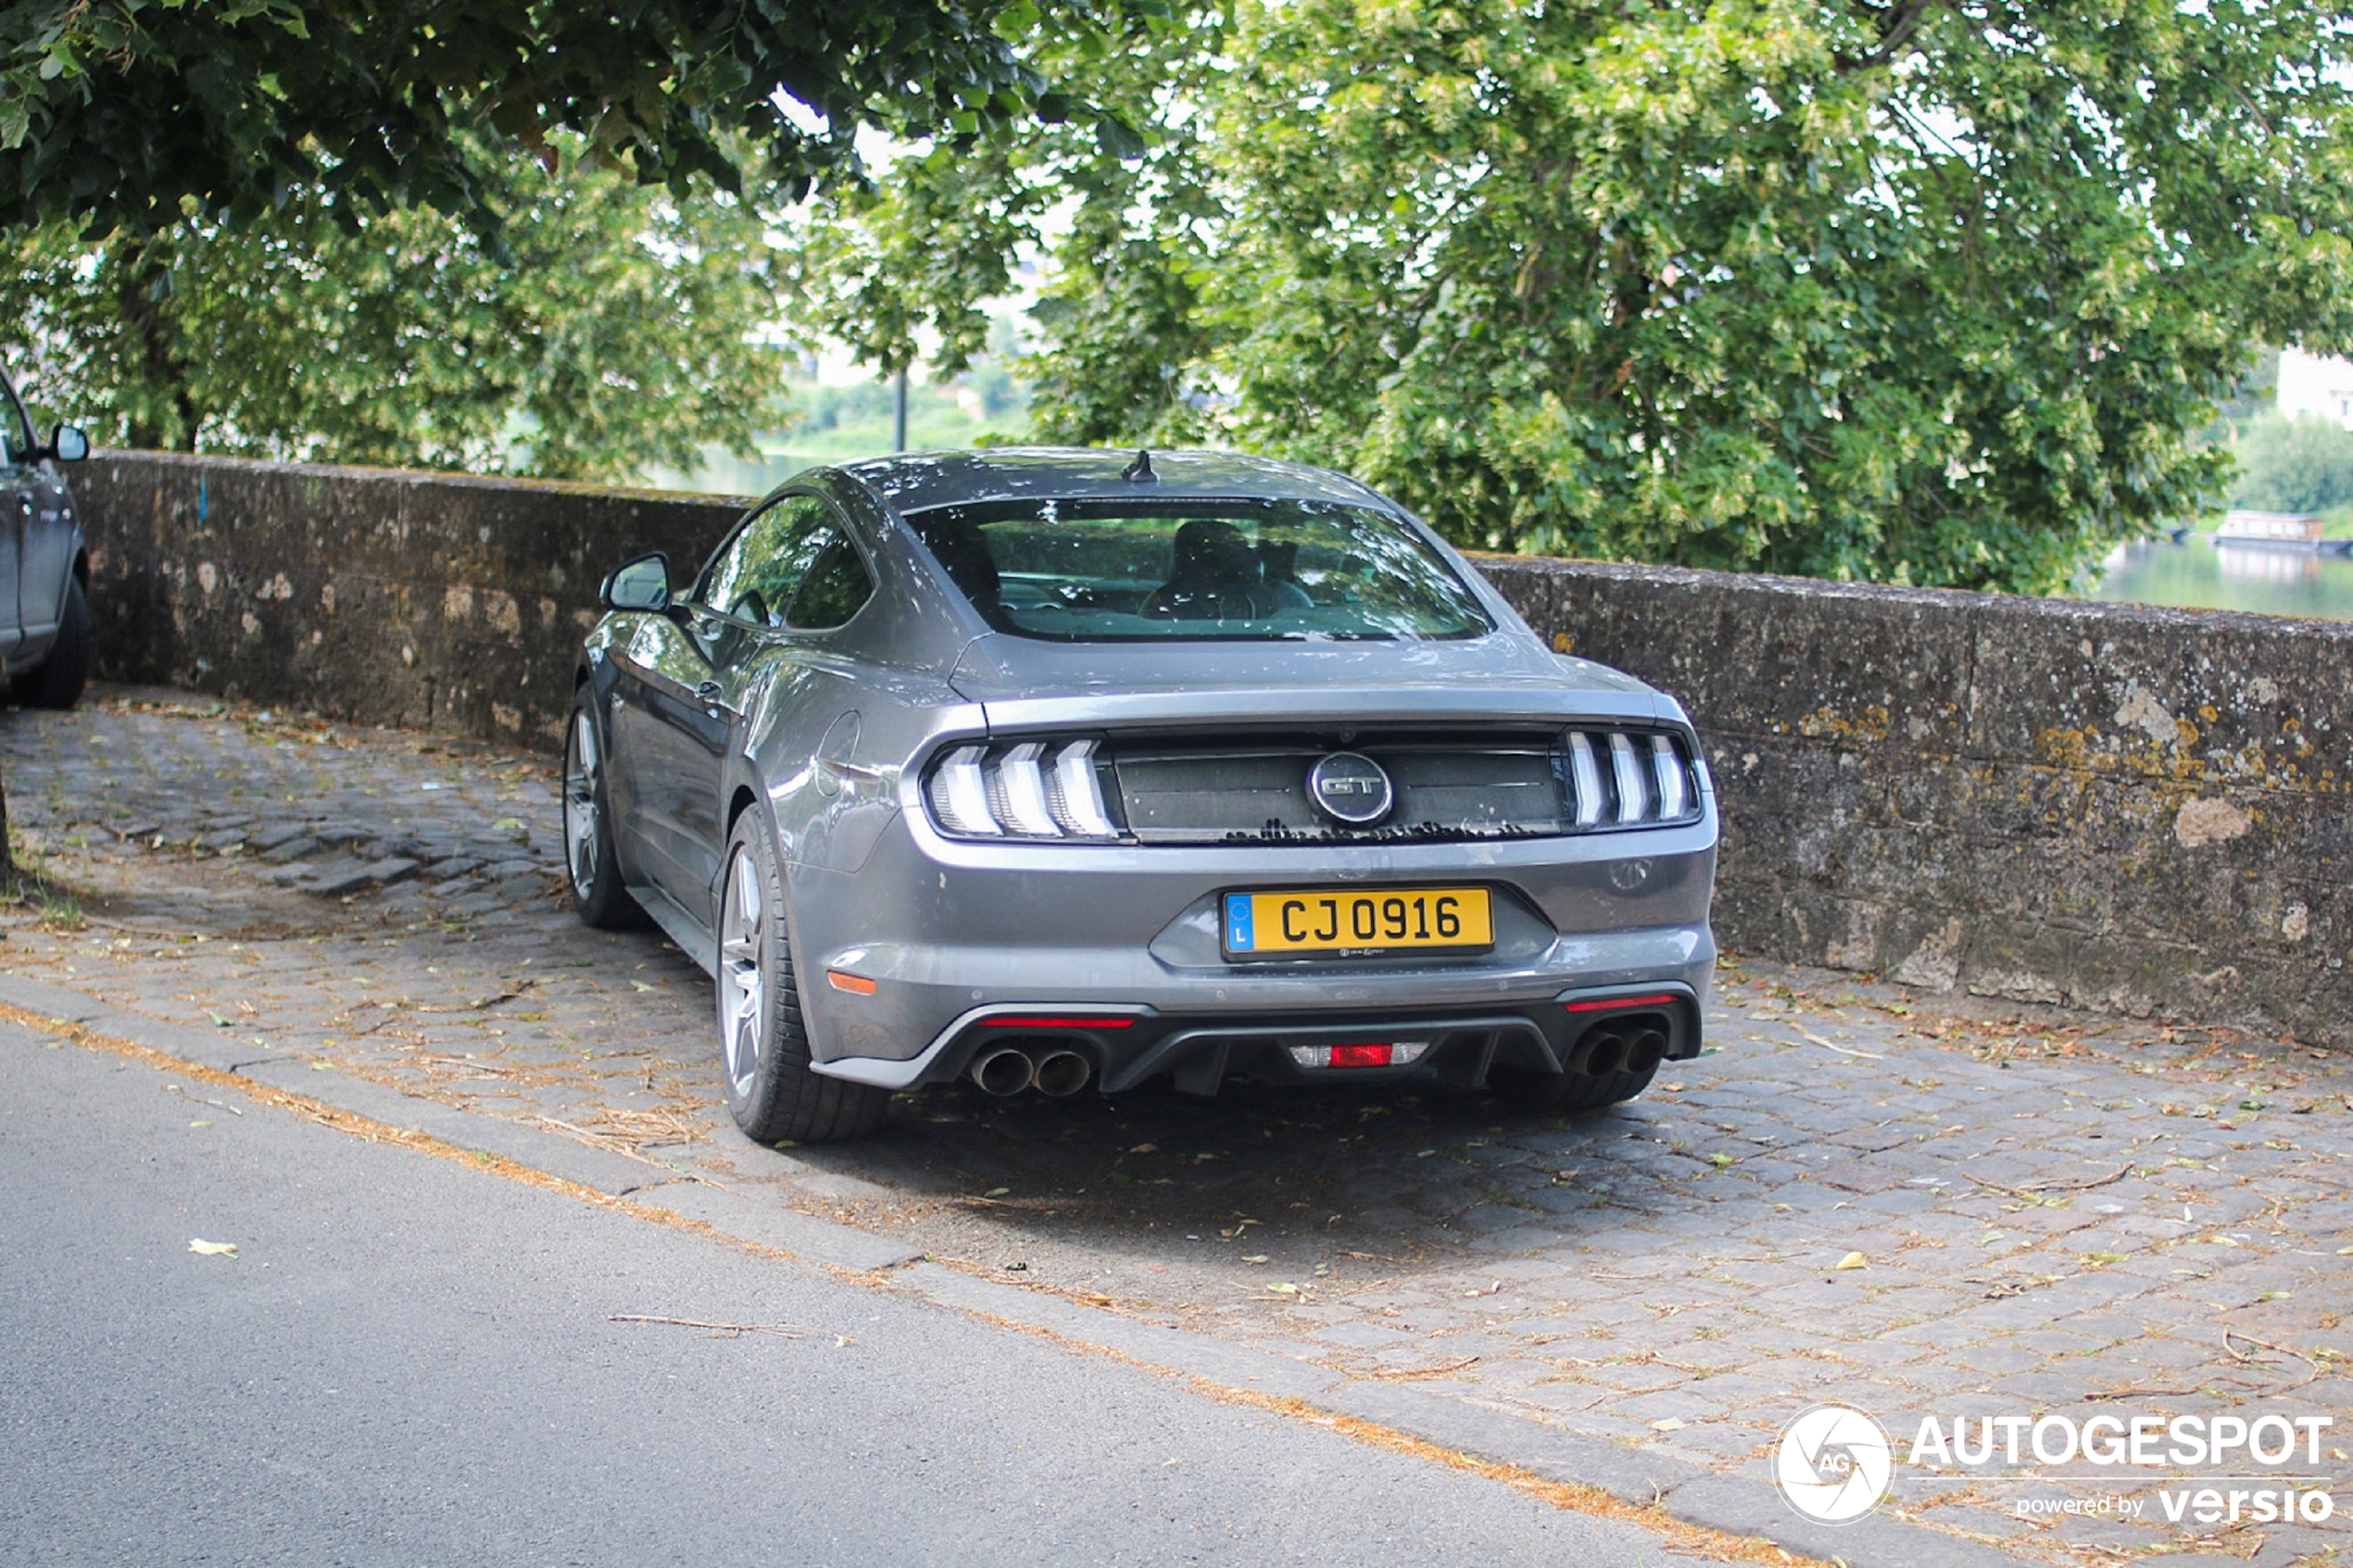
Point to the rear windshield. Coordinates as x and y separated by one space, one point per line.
1135 572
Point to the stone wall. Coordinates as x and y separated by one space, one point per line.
2103 805
2106 806
369 595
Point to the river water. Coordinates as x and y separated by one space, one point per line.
2202 574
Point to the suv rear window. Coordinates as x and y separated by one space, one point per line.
1124 570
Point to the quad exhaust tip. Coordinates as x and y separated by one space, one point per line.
1062 1074
1004 1071
1638 1050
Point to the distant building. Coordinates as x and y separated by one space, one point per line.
2313 383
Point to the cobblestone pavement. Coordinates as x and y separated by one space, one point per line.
1914 1206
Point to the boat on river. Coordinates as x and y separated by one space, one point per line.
2278 530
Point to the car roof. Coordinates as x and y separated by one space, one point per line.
914 481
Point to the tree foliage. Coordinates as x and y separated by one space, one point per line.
2294 465
118 113
1917 291
613 329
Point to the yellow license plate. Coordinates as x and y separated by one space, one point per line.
1376 919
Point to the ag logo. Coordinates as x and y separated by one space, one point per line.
1832 1464
1350 788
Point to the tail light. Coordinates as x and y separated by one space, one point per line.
1028 790
1619 778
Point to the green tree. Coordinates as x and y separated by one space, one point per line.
1920 292
613 327
1119 206
2294 465
118 113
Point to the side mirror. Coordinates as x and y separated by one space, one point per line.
641 582
68 444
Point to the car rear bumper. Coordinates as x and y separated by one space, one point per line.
1579 1031
939 940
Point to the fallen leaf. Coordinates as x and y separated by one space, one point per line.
1255 1257
212 1249
996 1192
219 1022
1284 1289
199 1124
1854 1260
641 985
1668 1425
1145 1149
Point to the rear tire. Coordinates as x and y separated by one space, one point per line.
763 1044
597 896
58 682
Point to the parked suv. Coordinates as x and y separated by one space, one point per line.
45 565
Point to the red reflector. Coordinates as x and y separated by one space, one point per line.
1361 1056
1057 1022
1606 1003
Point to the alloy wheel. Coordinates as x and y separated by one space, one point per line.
743 981
582 767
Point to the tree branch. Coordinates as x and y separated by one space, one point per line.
1899 22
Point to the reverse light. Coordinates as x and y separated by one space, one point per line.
1396 1053
1032 790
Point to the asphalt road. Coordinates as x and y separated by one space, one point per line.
412 1363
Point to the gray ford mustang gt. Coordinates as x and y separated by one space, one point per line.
1054 769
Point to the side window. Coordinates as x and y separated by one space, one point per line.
755 577
838 586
